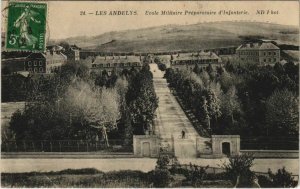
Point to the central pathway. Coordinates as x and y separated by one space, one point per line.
171 119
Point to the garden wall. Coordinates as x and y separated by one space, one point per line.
146 145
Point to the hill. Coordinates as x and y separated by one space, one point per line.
188 37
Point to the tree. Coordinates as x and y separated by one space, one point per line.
141 100
214 104
230 103
97 108
205 112
196 69
238 169
282 113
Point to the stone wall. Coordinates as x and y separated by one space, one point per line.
204 146
146 145
272 153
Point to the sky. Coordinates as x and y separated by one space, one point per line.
64 19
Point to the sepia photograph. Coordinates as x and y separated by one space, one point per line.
149 94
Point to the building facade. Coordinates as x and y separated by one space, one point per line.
115 63
189 60
73 53
258 53
41 63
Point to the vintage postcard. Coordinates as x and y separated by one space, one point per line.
143 94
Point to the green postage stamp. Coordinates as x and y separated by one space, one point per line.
26 26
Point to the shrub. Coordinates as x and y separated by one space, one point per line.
79 171
265 181
238 169
282 179
162 67
160 177
197 175
162 162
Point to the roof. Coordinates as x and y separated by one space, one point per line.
116 59
74 47
55 48
196 56
164 58
55 55
258 46
14 54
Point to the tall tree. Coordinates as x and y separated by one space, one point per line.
282 113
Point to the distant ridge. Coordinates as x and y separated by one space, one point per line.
187 37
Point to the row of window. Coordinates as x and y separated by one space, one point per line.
36 70
269 53
254 59
35 63
270 60
195 61
257 60
256 53
114 65
248 53
54 61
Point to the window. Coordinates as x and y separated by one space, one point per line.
41 69
40 63
30 69
122 64
274 53
35 63
108 65
29 63
265 60
269 53
94 65
264 54
35 70
269 59
275 59
115 64
100 65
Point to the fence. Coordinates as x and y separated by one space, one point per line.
63 146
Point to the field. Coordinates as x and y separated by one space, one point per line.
187 37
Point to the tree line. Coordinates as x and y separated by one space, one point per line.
74 104
253 101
